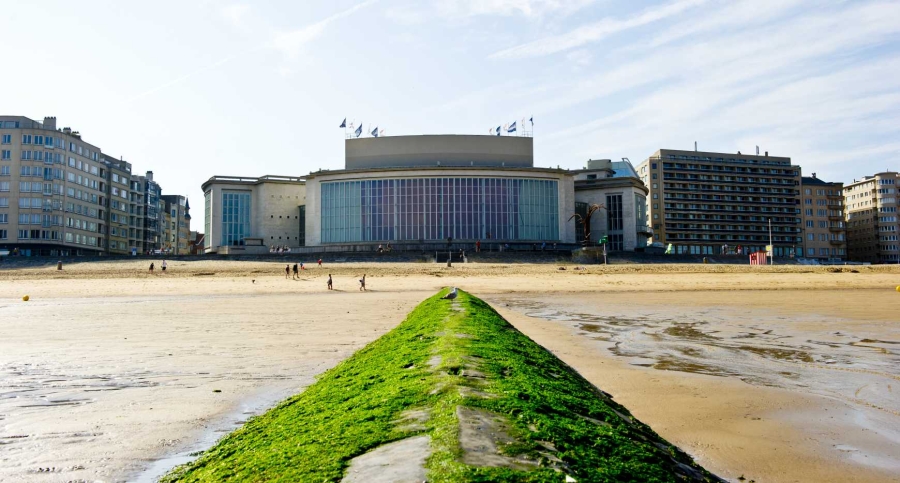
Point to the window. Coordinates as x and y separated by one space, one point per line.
7 138
4 202
4 218
811 236
7 154
3 234
4 170
26 139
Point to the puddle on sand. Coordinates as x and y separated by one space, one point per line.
758 348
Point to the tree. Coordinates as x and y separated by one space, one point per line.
586 220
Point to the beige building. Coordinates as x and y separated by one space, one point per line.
824 234
52 190
178 225
872 224
270 211
617 188
705 202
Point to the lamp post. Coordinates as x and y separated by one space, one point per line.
771 245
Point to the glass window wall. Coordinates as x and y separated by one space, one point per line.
429 209
235 217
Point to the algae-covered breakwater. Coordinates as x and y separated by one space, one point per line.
453 394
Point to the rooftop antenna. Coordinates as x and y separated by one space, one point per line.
695 146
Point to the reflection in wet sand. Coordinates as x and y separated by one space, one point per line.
755 346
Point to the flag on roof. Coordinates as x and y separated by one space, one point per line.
343 123
532 120
498 130
358 130
381 133
512 127
375 132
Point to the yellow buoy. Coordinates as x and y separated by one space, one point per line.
898 288
25 298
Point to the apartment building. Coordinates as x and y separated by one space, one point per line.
872 223
707 202
153 207
178 224
60 195
52 189
824 232
118 213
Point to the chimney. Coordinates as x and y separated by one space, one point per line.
67 130
695 146
767 154
814 175
50 123
149 175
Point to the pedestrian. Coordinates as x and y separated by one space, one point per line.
164 265
302 267
543 246
295 272
329 282
151 267
362 283
320 262
478 246
287 271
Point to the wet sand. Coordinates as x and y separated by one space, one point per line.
108 368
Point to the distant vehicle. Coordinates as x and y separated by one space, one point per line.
4 253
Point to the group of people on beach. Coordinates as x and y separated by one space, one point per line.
294 274
279 249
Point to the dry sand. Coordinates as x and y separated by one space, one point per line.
109 368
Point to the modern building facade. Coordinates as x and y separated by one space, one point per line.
824 234
872 220
60 195
410 190
701 202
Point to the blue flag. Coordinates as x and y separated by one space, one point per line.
532 120
512 127
498 130
358 130
375 132
343 123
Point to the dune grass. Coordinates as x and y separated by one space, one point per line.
355 407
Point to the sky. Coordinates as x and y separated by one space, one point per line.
195 88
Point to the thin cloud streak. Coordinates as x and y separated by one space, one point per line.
183 78
594 32
290 43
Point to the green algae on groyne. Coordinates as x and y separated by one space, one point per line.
452 394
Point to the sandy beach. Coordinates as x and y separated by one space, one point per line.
774 373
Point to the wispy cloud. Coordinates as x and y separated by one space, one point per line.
290 43
181 79
235 14
528 8
595 31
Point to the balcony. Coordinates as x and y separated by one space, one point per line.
837 242
836 217
835 228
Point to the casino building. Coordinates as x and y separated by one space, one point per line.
412 191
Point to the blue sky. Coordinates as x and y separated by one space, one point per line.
192 89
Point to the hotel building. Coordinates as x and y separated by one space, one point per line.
824 234
872 223
702 201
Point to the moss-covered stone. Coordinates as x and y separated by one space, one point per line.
495 406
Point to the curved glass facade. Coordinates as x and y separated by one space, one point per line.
430 209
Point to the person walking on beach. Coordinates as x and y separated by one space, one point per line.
164 265
287 271
302 267
151 267
329 282
362 283
295 275
320 262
